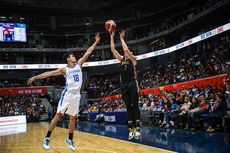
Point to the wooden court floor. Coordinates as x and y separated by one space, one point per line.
31 142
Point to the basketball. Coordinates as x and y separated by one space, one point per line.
110 26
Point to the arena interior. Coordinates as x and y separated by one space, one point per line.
182 49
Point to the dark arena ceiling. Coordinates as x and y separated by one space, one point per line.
74 7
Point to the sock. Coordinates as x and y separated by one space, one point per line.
71 136
130 124
138 123
48 134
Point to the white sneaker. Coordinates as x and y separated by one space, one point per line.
137 133
167 126
164 122
70 143
46 142
172 123
131 134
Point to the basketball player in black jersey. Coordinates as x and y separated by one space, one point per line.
129 85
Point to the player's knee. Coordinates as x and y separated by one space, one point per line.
58 116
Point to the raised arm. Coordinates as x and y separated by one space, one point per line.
90 50
125 47
60 71
114 51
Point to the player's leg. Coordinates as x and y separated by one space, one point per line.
50 129
73 110
54 121
126 99
62 107
72 123
135 109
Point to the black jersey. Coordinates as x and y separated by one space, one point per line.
128 71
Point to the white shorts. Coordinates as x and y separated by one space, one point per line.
69 103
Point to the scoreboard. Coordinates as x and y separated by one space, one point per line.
12 32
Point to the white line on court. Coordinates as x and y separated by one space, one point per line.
100 150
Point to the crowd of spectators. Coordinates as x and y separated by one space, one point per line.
102 85
177 109
109 105
29 105
183 109
211 61
208 63
57 82
7 83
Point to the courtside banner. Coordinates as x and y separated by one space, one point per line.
110 118
23 90
10 120
181 45
109 128
12 129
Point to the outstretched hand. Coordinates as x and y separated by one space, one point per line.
29 82
112 34
97 38
122 34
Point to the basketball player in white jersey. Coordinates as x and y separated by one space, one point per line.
70 97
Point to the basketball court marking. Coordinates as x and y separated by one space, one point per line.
61 148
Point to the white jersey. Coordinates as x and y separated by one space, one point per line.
73 79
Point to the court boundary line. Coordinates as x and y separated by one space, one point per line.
59 148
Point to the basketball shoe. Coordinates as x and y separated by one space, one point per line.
131 134
70 143
46 142
137 133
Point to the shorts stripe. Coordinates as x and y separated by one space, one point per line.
62 96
